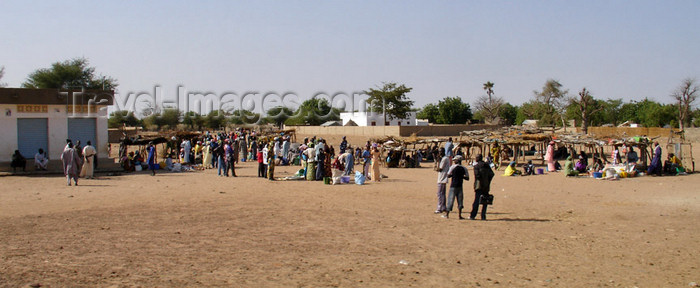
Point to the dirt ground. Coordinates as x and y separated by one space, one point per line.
198 229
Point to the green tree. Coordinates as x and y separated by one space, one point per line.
119 118
451 110
214 120
649 113
391 99
314 111
685 95
278 115
75 73
168 118
508 114
611 113
534 110
429 112
240 117
193 120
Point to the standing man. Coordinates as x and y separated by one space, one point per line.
458 173
343 145
70 163
261 166
88 170
230 159
285 150
448 148
244 147
265 152
655 167
219 158
349 162
151 158
187 148
366 159
482 185
442 169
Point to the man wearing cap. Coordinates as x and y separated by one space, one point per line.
482 185
458 173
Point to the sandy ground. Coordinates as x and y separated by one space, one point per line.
198 229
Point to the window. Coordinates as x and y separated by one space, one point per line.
374 123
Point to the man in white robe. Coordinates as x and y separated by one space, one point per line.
89 153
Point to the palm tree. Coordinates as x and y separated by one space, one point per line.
488 86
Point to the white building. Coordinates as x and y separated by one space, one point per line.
45 118
377 119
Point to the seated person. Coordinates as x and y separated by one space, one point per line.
169 162
138 159
569 167
18 161
632 156
41 162
510 170
580 165
557 166
597 165
673 165
128 162
529 169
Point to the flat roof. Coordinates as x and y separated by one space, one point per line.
56 96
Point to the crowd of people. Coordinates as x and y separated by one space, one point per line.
318 160
223 151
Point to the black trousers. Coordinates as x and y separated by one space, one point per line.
261 170
230 165
475 205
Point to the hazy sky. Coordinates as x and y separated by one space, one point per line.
617 49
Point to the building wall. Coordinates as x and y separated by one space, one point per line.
366 119
629 131
379 131
57 130
8 128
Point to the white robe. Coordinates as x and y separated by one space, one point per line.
88 170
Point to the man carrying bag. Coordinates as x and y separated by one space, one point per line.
482 184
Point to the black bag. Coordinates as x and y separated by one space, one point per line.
486 199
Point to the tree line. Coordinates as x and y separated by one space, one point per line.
552 105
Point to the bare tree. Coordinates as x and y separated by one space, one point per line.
587 106
552 99
2 74
489 106
685 94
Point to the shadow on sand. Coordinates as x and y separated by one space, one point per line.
521 220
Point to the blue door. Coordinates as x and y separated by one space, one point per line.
83 129
32 134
